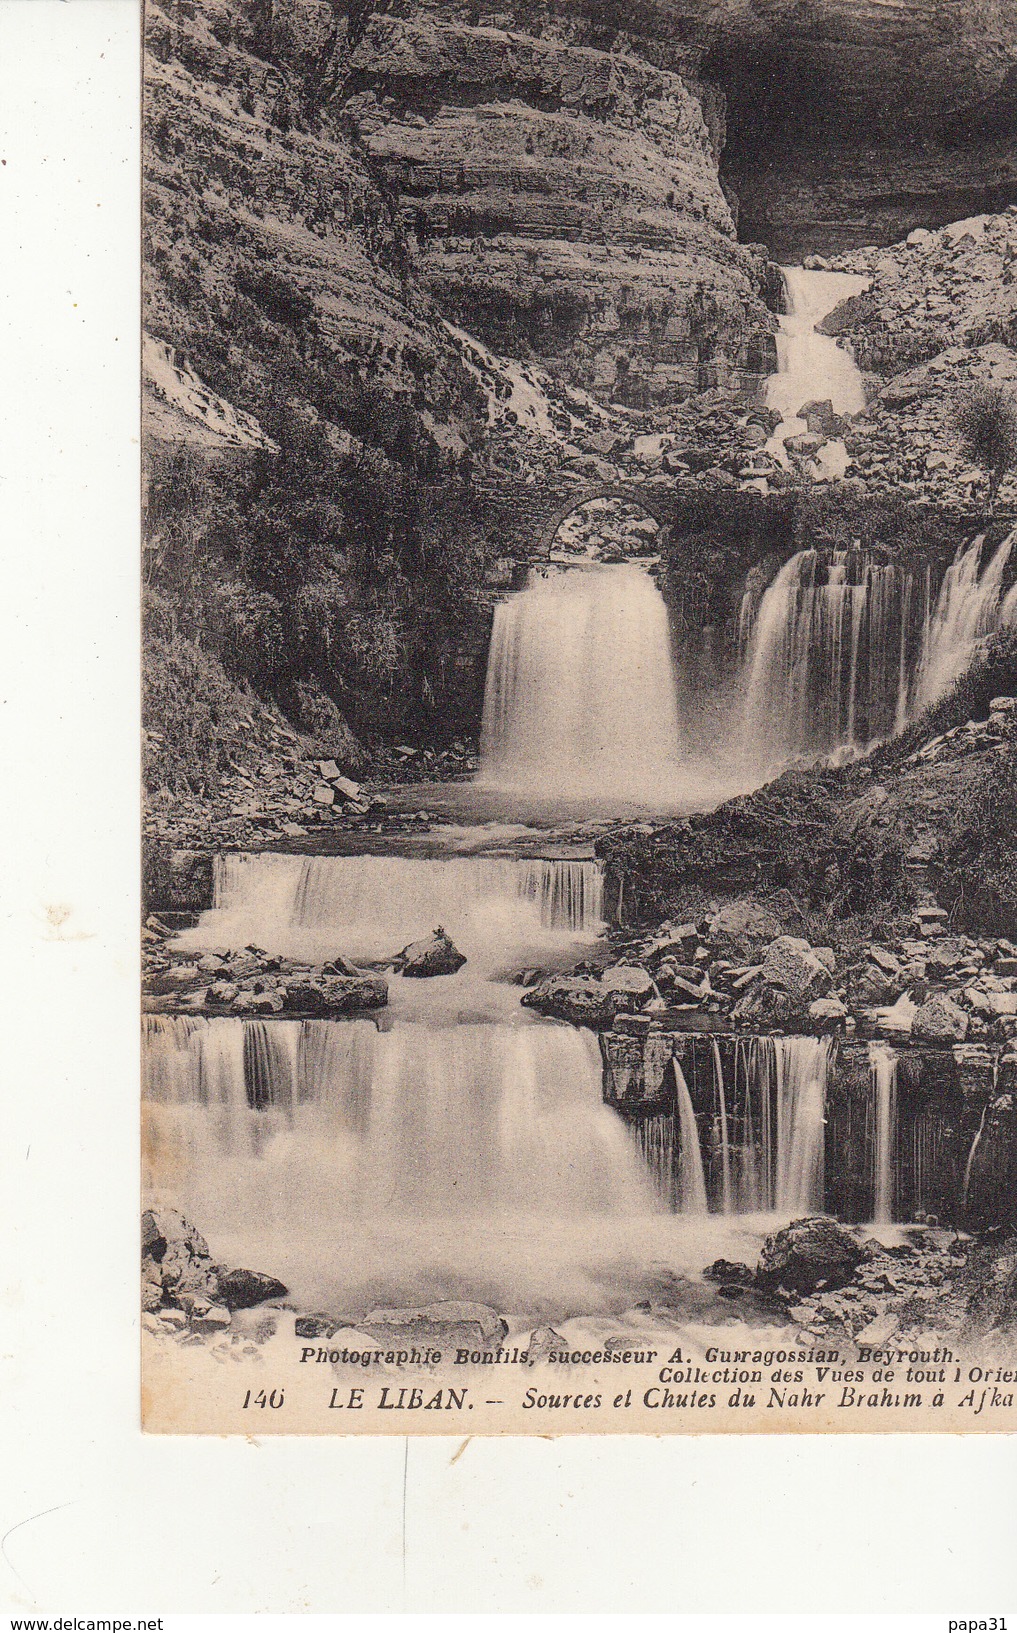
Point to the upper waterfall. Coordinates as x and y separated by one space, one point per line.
812 367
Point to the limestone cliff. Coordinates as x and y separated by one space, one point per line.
852 122
276 268
564 199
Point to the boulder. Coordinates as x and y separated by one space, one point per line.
629 979
215 1319
821 420
791 966
939 1020
874 984
809 1254
827 1014
241 1289
314 1326
544 1341
436 954
732 1273
945 957
744 918
181 1253
221 994
580 999
151 1284
763 1008
335 994
450 1323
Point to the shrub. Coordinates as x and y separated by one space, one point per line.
985 420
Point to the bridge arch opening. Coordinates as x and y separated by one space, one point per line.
605 527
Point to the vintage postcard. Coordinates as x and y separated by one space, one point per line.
580 717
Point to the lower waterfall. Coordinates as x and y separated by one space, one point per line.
760 1147
414 1163
581 700
883 1070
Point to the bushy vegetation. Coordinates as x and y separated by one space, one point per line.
985 420
199 722
981 850
309 574
785 843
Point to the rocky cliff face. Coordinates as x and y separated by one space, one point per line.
564 199
276 268
851 122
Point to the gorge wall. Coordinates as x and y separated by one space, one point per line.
851 122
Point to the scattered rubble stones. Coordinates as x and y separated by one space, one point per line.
253 982
183 1292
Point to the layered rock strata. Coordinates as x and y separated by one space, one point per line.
564 201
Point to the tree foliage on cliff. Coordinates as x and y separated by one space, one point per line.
985 419
341 572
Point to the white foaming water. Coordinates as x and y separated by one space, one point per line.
764 1135
829 657
803 1070
812 367
497 910
365 1167
580 697
883 1076
692 1178
970 606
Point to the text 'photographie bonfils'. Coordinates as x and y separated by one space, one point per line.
580 862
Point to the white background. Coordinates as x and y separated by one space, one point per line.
95 1519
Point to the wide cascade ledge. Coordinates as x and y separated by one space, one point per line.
933 1129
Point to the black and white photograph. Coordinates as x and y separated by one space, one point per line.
579 580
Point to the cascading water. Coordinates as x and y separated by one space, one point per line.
766 1130
883 1077
669 1144
802 1071
830 656
397 1164
812 367
580 700
843 651
970 606
369 907
722 1126
692 1179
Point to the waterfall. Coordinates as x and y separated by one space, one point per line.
969 1166
970 606
767 1130
669 1144
692 1179
812 367
830 655
883 1077
369 907
580 700
802 1073
415 1160
726 1199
